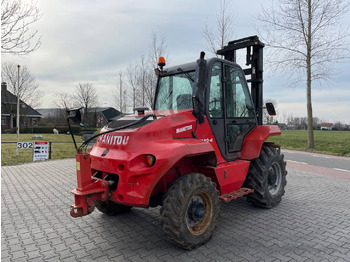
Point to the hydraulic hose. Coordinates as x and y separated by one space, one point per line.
143 119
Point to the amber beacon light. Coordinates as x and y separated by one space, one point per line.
161 61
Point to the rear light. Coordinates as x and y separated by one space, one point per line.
151 160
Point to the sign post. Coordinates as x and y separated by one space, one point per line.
17 117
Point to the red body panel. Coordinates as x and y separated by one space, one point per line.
231 175
255 139
170 139
136 178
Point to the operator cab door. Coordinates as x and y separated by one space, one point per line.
230 109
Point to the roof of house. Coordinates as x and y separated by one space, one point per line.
50 112
8 98
108 112
326 125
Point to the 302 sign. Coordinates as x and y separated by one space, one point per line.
25 145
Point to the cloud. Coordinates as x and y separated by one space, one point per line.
90 41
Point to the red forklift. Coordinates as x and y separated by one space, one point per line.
203 142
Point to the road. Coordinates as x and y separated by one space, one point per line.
321 164
335 162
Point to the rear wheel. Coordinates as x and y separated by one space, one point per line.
190 210
267 176
111 208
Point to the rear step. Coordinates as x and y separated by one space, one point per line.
235 194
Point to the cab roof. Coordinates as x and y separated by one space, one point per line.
191 66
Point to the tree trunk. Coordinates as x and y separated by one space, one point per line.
310 130
86 116
120 92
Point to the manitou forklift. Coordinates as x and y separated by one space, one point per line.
202 143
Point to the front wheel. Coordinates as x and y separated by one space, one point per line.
267 176
190 210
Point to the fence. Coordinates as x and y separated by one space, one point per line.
57 150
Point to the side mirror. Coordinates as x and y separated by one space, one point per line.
75 115
270 109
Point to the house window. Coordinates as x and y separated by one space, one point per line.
3 121
25 122
34 121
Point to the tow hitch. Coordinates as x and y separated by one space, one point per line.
89 188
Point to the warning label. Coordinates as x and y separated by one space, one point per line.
40 151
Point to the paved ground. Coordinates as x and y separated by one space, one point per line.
311 224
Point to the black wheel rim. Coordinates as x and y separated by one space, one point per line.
274 178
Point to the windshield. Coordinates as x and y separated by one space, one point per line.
175 91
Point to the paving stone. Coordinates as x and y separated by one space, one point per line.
33 254
18 254
15 247
6 259
5 254
65 254
49 254
308 225
37 259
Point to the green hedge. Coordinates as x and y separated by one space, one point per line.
46 130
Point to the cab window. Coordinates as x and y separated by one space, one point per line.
215 93
175 91
238 101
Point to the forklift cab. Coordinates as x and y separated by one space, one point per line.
219 91
227 103
228 106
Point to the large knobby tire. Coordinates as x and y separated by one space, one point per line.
111 208
267 176
190 210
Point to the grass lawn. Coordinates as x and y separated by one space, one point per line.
61 147
329 142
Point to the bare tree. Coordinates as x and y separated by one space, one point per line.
28 89
157 49
307 37
223 33
86 96
150 84
142 79
133 77
64 100
120 94
16 20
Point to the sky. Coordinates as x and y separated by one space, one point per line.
91 41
